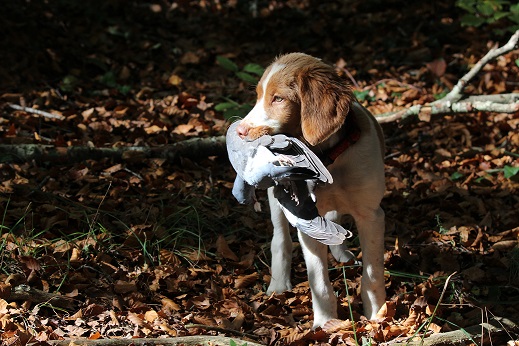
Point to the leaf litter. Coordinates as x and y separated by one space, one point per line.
158 248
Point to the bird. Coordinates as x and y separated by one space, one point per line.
293 169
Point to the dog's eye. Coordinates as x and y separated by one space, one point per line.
278 99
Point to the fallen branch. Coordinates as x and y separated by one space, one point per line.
457 92
484 332
454 101
505 103
222 330
37 112
177 341
27 293
191 148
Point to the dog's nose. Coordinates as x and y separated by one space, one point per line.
242 130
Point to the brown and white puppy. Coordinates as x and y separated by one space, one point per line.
301 96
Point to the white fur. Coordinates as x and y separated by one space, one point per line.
258 116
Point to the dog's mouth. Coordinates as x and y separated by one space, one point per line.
253 133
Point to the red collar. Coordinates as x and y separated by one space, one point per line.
350 135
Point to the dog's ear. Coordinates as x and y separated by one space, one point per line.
325 102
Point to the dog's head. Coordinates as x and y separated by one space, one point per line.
301 96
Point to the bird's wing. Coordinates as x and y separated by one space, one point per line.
301 212
305 164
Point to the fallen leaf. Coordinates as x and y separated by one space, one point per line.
222 248
245 280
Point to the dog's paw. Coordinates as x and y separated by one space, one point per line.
277 286
320 320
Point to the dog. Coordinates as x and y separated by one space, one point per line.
303 97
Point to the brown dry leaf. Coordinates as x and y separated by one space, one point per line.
395 330
114 169
245 280
3 306
505 245
238 321
5 291
87 113
335 325
125 286
154 129
183 129
113 318
92 310
190 58
75 256
169 258
174 80
202 302
205 320
195 255
410 95
382 312
169 305
151 316
136 319
167 329
437 67
412 318
30 262
95 336
435 328
222 248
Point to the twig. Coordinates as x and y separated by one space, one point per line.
453 102
456 92
37 112
191 148
439 301
479 103
24 292
350 76
195 340
222 330
385 80
494 328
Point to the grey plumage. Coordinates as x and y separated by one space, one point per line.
293 169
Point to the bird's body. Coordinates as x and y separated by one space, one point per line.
293 170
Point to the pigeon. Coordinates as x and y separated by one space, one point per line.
293 169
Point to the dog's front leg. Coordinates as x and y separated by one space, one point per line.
281 248
324 302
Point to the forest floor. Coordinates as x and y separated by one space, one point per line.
149 247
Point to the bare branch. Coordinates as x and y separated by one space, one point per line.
192 148
506 103
37 112
484 332
176 341
457 92
454 102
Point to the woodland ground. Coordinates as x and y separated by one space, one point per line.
154 247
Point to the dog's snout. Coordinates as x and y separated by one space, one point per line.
242 130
